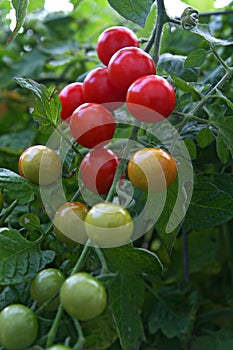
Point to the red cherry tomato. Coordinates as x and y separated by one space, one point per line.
128 64
151 98
92 124
113 39
71 96
98 88
98 168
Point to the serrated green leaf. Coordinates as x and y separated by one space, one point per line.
172 311
17 293
17 187
191 146
175 65
130 260
187 87
209 207
136 11
196 58
221 148
205 137
203 31
20 259
218 340
20 7
47 105
126 297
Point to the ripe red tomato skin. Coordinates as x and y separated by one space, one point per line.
71 96
156 96
98 88
92 125
98 168
114 39
128 64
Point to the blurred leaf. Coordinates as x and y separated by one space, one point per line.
47 105
136 11
224 124
175 65
205 137
209 207
20 259
224 182
191 146
20 7
126 296
218 340
17 187
35 4
15 143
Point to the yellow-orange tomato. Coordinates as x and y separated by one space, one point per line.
152 169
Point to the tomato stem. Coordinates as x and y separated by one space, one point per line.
81 260
81 339
53 330
8 211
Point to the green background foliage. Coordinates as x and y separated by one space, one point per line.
171 290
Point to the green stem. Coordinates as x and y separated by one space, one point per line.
80 343
8 211
104 266
215 13
161 19
122 164
193 117
221 61
68 141
53 330
81 260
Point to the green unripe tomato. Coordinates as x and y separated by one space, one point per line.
18 327
59 347
109 225
45 285
69 224
83 296
40 165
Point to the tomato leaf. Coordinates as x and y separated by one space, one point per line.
20 7
17 187
203 31
20 259
130 260
172 311
205 137
224 124
47 105
126 296
136 11
214 340
196 58
209 207
175 65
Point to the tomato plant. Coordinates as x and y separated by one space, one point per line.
18 327
40 165
151 98
69 223
45 285
152 169
92 125
98 168
128 64
113 39
83 296
71 96
98 88
109 225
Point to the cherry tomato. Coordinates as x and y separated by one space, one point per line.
45 285
40 165
113 39
98 168
98 88
151 98
71 96
152 169
128 64
109 225
83 296
18 327
92 125
69 224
